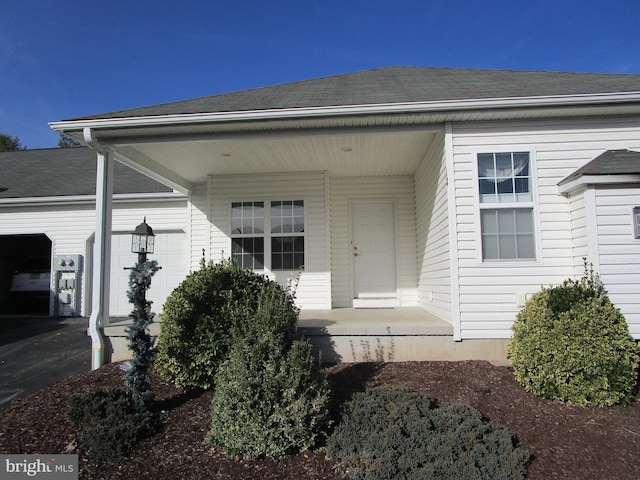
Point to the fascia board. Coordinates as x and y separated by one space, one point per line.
584 180
347 110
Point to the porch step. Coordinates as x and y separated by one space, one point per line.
375 302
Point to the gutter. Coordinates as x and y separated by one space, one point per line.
104 194
91 199
347 110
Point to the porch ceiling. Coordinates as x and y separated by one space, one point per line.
369 153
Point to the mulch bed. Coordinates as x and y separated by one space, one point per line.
568 442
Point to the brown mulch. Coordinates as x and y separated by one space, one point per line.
568 442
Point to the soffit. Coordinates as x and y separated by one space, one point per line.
345 154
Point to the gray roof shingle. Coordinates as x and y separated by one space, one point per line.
611 162
395 85
64 172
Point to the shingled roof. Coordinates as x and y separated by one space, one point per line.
611 162
395 85
64 172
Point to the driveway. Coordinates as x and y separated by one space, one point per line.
36 352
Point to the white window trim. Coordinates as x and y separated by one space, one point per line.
267 230
535 204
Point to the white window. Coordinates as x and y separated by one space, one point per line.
506 206
247 233
268 238
636 223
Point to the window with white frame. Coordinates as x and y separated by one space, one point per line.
506 206
247 234
268 238
636 223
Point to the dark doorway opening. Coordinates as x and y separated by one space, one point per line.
25 274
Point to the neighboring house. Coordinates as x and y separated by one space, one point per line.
47 226
457 193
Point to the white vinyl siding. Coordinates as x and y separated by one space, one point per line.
618 252
579 234
432 226
71 229
347 189
313 289
491 295
199 226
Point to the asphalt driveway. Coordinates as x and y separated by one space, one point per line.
36 352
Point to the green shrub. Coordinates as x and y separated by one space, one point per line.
271 398
108 426
200 316
394 432
571 344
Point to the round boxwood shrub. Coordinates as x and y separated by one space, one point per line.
395 432
201 314
271 398
571 344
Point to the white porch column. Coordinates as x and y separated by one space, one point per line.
101 256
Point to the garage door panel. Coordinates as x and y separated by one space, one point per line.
171 254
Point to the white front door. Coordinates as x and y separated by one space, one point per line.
374 253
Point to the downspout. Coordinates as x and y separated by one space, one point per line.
102 249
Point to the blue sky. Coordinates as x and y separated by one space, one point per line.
65 59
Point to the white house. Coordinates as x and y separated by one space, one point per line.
435 200
47 219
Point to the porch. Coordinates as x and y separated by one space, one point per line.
391 335
362 335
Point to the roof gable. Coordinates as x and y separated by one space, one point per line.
64 172
395 85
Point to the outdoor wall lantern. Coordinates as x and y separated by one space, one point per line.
142 240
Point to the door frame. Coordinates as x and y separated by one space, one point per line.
390 302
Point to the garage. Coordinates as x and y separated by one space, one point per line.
171 254
25 274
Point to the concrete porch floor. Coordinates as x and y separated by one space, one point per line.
372 321
362 335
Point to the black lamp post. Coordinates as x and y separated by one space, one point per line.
140 342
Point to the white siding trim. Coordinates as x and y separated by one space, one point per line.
593 255
453 233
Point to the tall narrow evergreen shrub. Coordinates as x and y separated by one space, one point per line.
136 371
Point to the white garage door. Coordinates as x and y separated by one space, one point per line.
171 254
